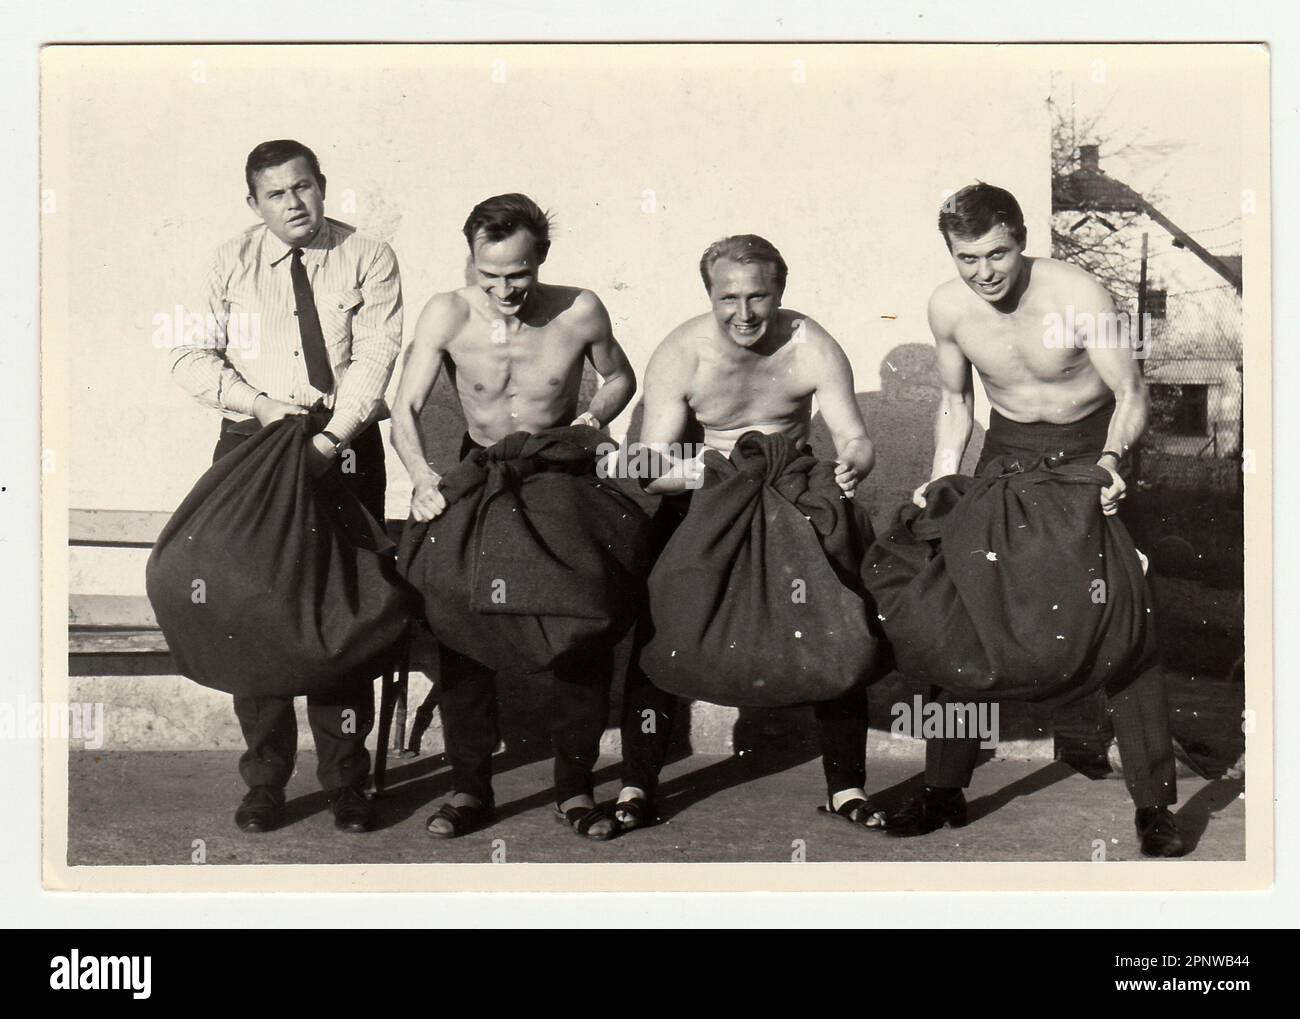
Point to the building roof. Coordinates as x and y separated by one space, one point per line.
1090 189
1094 191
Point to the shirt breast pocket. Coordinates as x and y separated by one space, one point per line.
337 309
242 327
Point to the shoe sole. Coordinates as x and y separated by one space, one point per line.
257 827
1183 850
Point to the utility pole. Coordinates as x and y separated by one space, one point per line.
1143 340
1142 305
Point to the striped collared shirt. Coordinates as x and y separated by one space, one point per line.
250 342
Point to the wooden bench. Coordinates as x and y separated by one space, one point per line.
108 624
104 627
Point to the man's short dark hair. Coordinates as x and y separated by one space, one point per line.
743 248
498 217
277 153
978 208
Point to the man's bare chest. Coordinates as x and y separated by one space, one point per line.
491 359
724 393
1018 350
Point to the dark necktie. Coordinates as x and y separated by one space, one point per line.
313 341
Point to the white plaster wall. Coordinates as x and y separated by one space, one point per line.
840 160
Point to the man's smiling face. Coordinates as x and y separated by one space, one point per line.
990 265
506 270
745 299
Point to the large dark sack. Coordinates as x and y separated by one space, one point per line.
1014 585
299 589
535 558
756 601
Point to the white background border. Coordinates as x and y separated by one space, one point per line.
406 20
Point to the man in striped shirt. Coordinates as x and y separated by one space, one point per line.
302 313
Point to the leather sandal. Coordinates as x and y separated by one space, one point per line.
463 820
582 819
640 812
858 812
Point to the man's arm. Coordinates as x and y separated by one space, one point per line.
617 379
441 319
1119 370
376 342
204 371
854 453
955 418
667 415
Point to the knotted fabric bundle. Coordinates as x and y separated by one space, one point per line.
1014 585
534 558
267 581
757 598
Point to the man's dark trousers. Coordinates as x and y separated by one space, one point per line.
1138 708
468 703
340 718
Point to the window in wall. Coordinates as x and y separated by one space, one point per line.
1179 409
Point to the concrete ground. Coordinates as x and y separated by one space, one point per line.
147 808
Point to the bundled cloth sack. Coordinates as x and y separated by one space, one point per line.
1014 585
756 600
268 581
535 557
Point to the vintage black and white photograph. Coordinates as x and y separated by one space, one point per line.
532 456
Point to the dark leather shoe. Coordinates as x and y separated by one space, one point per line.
1158 832
929 812
262 809
352 811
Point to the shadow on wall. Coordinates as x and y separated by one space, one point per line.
900 421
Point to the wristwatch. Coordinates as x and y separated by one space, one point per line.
334 441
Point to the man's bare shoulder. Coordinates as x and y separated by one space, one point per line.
814 348
1066 283
690 334
678 353
949 302
946 303
808 331
444 314
579 306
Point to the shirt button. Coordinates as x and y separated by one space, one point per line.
295 353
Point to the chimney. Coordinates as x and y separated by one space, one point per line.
1090 158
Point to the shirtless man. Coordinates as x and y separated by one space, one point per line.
1084 400
515 349
746 365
